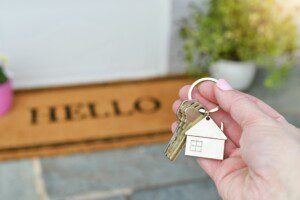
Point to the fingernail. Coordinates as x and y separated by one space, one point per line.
223 85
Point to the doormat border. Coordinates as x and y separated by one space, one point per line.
86 141
91 146
106 84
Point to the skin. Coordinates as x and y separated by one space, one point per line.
262 152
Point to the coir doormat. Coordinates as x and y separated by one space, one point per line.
86 118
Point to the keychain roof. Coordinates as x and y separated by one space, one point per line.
207 128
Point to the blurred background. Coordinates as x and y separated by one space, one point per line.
49 46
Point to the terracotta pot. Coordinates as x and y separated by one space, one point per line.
239 74
6 97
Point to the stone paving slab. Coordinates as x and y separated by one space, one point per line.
204 190
115 198
17 181
123 169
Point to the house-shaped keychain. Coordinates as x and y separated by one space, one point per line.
205 139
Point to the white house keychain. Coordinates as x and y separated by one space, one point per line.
205 139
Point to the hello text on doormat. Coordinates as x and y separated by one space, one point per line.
91 110
86 118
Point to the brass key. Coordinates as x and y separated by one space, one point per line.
187 115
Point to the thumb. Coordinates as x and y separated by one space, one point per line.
239 106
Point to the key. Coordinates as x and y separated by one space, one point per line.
180 140
187 114
184 105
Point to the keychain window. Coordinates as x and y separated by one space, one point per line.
196 145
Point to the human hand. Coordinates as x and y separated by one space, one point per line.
262 152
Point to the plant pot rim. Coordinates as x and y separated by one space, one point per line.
235 61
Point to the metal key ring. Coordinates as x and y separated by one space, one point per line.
196 83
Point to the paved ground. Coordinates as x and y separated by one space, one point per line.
139 173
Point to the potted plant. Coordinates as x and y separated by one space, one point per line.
233 37
6 92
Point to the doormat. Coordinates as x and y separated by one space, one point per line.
66 120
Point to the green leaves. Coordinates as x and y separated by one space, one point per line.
278 74
241 30
3 77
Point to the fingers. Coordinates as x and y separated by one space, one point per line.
176 105
210 166
183 92
231 128
207 90
229 148
241 109
174 126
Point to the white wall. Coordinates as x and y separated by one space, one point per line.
59 42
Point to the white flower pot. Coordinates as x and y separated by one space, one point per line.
239 74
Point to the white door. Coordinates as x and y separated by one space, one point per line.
61 42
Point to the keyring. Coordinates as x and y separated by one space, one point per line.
196 83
